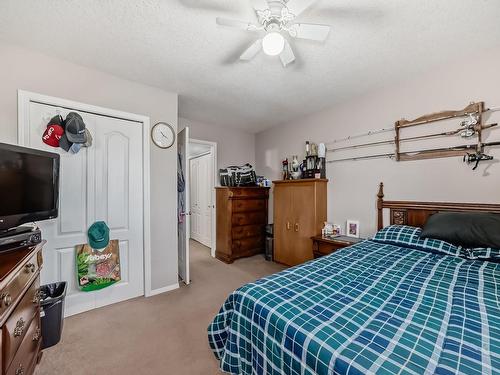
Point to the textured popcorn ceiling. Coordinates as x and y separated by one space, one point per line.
176 45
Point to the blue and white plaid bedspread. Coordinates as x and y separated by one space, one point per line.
369 308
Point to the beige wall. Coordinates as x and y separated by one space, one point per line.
234 146
22 69
353 185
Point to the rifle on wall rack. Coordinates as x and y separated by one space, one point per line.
472 153
464 132
472 126
473 109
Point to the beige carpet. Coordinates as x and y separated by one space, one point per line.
165 334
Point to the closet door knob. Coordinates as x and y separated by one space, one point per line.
296 227
288 225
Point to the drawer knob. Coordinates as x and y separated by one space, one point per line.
37 297
6 299
20 370
30 267
37 334
18 331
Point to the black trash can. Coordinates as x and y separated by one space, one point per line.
52 298
269 242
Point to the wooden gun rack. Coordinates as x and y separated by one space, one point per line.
473 108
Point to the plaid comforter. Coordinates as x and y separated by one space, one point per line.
369 308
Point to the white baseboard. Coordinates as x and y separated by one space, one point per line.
165 289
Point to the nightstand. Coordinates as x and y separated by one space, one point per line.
327 245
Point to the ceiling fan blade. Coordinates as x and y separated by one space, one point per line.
252 51
248 26
310 31
287 56
260 5
296 7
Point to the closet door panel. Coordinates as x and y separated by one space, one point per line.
206 208
195 204
119 201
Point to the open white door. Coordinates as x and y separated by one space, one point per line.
183 195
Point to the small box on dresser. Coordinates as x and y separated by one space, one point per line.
241 220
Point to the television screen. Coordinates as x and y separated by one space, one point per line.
28 185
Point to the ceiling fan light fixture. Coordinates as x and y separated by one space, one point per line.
273 44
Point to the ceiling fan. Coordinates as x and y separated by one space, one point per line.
276 18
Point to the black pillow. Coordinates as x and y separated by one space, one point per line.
466 229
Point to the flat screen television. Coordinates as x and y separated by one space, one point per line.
29 185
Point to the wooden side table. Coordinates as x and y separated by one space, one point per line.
327 245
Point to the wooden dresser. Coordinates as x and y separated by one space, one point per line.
21 337
241 220
299 213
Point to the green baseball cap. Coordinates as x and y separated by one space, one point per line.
98 235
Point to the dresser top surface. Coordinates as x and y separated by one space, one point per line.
300 181
240 187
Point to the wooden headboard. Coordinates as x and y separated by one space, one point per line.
416 213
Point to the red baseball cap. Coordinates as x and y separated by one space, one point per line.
52 135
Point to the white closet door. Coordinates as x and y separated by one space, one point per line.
195 200
206 199
103 182
201 203
119 201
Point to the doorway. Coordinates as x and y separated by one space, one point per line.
203 177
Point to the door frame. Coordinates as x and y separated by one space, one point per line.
24 98
213 152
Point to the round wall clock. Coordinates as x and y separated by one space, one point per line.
163 135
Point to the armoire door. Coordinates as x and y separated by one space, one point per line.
304 222
102 182
283 226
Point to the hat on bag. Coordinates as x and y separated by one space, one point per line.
54 132
98 235
75 128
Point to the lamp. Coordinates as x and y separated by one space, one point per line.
273 44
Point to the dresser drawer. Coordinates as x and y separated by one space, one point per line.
248 205
247 244
23 362
249 218
15 328
248 192
13 290
247 231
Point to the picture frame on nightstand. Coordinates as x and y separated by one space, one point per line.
352 228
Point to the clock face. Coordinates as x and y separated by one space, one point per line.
163 135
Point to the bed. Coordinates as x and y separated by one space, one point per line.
395 304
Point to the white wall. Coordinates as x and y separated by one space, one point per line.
353 185
234 146
26 70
